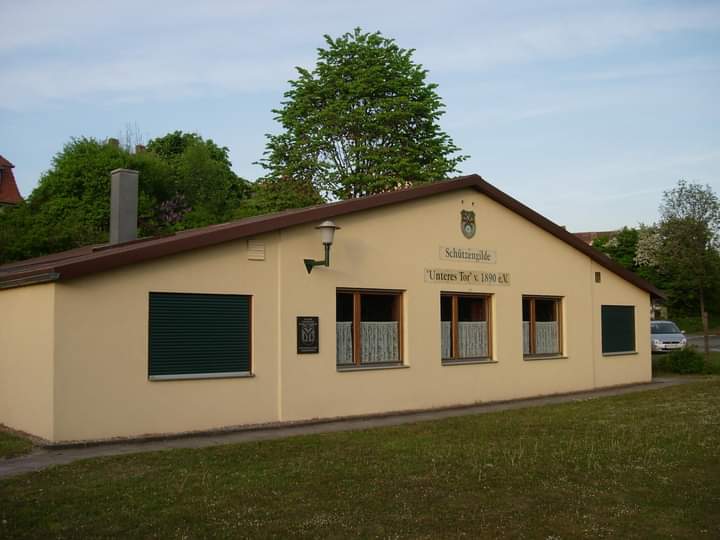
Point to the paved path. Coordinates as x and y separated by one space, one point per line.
699 342
43 458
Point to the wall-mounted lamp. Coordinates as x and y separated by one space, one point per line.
327 229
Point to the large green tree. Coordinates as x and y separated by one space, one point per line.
185 181
683 247
622 247
277 194
689 230
363 121
206 190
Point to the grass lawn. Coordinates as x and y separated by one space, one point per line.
637 466
12 446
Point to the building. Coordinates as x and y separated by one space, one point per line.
440 295
589 236
9 193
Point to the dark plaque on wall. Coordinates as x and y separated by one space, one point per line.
308 330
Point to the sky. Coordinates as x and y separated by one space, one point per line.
585 111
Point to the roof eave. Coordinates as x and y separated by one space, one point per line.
32 278
135 252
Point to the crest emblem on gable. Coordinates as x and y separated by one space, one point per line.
467 223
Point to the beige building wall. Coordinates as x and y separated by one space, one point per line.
618 369
389 248
26 359
102 381
101 389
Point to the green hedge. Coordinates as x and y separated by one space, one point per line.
687 361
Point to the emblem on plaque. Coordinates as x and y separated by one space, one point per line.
307 335
467 223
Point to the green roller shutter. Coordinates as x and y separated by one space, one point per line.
198 334
618 329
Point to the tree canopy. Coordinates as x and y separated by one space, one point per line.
363 121
679 254
689 231
185 181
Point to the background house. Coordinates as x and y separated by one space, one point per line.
9 193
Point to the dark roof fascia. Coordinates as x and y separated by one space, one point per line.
153 248
32 279
138 251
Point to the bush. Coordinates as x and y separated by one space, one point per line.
693 324
684 361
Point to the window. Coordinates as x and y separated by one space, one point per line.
542 327
618 329
369 328
464 327
664 327
198 335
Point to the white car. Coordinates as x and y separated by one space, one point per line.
666 336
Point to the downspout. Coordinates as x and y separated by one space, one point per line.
281 335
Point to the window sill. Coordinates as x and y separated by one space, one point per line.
342 369
197 376
468 361
622 353
544 357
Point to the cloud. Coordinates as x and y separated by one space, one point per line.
550 35
80 50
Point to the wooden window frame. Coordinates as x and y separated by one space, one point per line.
454 334
357 318
558 300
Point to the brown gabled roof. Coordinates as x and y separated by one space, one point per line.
9 192
91 259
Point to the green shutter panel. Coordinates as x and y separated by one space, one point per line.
618 329
198 334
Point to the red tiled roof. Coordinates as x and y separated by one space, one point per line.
589 236
9 193
91 259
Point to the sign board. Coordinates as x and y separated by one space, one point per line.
472 255
308 334
466 277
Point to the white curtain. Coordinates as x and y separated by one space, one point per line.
546 339
344 343
446 339
472 339
379 342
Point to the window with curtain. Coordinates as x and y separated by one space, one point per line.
464 327
542 326
369 328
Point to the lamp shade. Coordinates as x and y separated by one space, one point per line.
327 229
